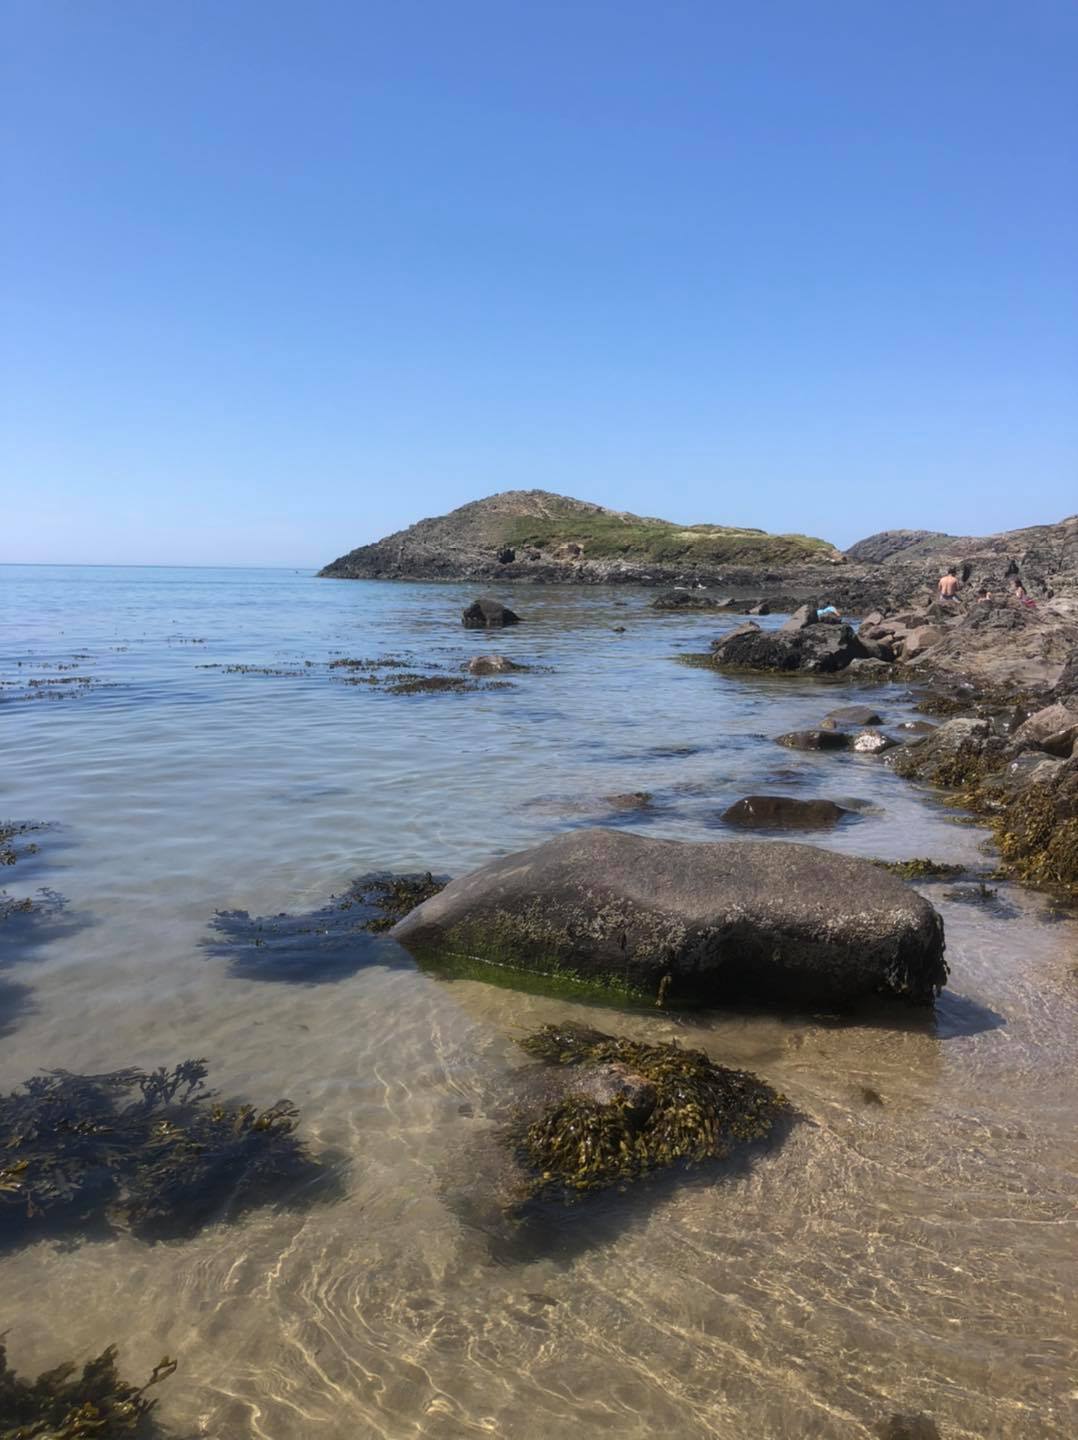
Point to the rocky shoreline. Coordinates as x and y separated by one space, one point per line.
1003 673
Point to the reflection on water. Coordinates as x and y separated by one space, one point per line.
908 1247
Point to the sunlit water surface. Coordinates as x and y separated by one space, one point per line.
917 1254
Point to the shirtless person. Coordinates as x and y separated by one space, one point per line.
948 586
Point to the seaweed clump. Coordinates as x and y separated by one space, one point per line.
919 869
637 1108
155 1152
12 831
396 895
63 1405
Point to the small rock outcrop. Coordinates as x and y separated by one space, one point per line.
687 600
856 715
816 740
783 812
802 644
692 923
492 665
488 614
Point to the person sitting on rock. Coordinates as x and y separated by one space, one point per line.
984 597
949 586
1021 596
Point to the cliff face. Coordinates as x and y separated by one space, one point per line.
534 535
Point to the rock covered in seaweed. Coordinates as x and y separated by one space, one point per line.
697 923
803 644
68 1404
625 1108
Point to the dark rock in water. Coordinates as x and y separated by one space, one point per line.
66 1404
773 921
632 800
492 665
916 727
957 753
685 600
762 609
815 740
812 648
856 715
488 614
628 1108
782 812
909 1427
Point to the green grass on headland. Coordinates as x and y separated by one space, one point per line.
610 537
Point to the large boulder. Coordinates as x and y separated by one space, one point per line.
692 923
1054 729
488 614
783 812
813 648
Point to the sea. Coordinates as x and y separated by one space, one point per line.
202 769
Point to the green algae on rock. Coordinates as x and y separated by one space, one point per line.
67 1404
695 923
154 1152
629 1108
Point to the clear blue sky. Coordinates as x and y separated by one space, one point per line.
281 277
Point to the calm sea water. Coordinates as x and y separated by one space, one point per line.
917 1254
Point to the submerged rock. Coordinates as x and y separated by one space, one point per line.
855 715
685 600
627 1108
815 740
492 665
700 923
631 800
782 812
488 614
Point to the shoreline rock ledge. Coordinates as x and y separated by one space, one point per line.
690 923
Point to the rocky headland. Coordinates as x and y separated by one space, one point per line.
537 536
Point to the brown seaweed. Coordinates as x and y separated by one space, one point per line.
638 1108
68 1404
155 1152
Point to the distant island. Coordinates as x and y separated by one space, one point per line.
537 536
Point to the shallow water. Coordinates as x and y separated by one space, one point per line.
912 1255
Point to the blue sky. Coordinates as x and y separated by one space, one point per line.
279 278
